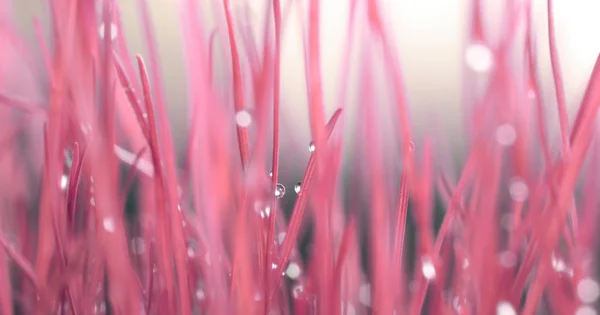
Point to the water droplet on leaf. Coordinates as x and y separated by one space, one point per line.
428 269
138 245
505 308
588 290
64 181
279 191
109 224
479 57
311 147
113 31
364 294
518 190
506 134
293 271
243 118
297 187
507 259
586 310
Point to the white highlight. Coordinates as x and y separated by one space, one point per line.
109 224
113 31
364 294
138 245
428 269
506 134
588 290
143 165
64 180
280 238
586 310
243 118
518 190
293 271
505 308
479 58
507 259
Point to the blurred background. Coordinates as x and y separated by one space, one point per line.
430 36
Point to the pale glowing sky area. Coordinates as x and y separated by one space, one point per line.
429 37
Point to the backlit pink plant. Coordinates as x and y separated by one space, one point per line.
103 213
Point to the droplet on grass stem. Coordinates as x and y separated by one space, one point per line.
109 224
64 181
518 190
190 252
505 308
364 294
507 259
348 309
506 134
427 268
298 187
311 147
138 245
279 191
297 291
293 271
465 264
243 118
586 310
479 57
200 294
588 290
280 238
113 31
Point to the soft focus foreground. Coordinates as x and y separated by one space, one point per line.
100 215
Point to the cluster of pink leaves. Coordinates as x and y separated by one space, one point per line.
210 236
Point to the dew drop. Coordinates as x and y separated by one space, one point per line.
270 174
558 264
348 309
411 146
297 291
507 259
64 180
588 290
190 252
109 224
293 271
279 191
280 238
465 264
506 221
297 187
99 308
138 245
506 134
266 212
311 147
479 57
113 31
92 201
200 294
364 294
505 308
586 310
243 118
428 269
518 190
